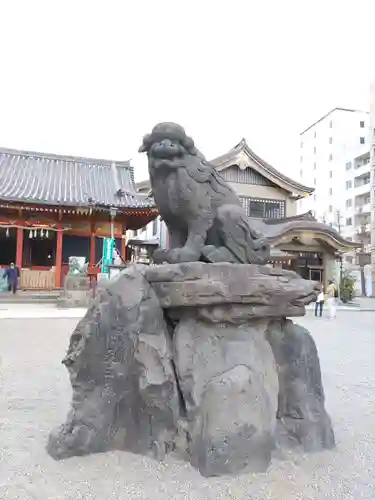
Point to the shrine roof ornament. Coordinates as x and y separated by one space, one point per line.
242 156
73 181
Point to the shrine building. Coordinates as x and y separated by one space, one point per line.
53 207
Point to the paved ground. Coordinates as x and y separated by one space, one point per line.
35 396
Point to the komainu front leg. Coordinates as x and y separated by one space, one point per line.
176 239
196 240
192 250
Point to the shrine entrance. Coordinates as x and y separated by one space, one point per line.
309 265
39 249
8 245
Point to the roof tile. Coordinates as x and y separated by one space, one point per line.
68 181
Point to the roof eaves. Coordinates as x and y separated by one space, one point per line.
272 170
316 227
148 205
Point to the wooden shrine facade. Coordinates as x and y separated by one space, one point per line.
54 207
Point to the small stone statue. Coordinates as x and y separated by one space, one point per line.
77 265
204 216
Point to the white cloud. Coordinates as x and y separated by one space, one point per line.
90 77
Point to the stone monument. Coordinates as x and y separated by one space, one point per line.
195 354
76 291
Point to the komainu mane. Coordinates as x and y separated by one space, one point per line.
203 214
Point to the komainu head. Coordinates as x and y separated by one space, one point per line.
167 145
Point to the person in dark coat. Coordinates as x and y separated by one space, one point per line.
12 274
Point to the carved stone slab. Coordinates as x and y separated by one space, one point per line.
272 292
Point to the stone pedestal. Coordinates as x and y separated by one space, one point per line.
76 292
199 358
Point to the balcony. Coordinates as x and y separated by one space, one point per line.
363 209
362 188
363 229
362 169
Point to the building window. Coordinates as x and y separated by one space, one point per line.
314 197
330 191
349 203
330 174
314 182
330 157
154 227
301 145
301 173
330 124
349 184
263 208
314 165
135 233
314 135
349 221
361 140
348 165
330 140
362 124
330 209
314 149
301 159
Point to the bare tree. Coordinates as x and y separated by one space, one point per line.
338 218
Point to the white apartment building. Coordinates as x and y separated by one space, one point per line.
334 159
155 231
372 163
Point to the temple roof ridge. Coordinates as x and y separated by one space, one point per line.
264 168
63 157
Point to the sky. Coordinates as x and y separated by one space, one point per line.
90 78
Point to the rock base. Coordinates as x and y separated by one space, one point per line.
199 358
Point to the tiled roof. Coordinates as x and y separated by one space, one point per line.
266 169
68 181
273 229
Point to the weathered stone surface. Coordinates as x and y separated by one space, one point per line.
203 214
302 418
229 384
76 292
201 284
124 387
201 375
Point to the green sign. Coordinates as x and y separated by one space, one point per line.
108 246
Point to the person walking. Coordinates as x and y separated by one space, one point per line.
332 295
12 274
319 303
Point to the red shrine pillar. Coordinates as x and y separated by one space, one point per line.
92 245
19 248
58 261
92 249
123 243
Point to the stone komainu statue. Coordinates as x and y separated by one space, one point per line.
204 216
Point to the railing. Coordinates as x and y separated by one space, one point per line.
37 280
366 228
363 209
362 188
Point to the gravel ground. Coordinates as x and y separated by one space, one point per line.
35 395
